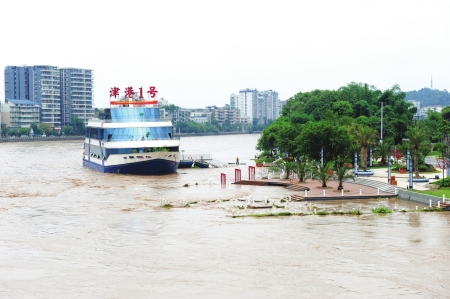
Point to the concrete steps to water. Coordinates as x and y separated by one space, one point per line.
385 187
296 187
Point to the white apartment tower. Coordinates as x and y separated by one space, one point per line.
254 104
247 102
76 95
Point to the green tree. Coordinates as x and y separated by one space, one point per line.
23 131
78 126
45 128
417 138
69 131
289 167
365 136
322 173
342 173
343 108
302 169
383 150
36 129
441 148
324 134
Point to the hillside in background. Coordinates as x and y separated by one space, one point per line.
429 97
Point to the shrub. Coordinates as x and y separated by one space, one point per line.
381 210
323 212
443 183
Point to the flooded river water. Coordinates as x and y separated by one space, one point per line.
70 232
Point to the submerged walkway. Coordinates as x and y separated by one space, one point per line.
312 190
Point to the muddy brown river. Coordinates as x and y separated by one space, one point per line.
70 232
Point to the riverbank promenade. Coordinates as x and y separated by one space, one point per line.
363 187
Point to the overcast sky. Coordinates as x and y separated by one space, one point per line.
198 52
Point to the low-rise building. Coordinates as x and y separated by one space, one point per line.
20 113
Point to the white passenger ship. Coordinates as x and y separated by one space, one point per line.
132 139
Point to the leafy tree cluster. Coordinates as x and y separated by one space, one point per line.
210 127
340 122
77 127
38 129
429 97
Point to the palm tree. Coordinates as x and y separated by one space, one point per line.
417 139
322 173
303 169
365 136
288 167
342 173
383 150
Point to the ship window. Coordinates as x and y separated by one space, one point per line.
131 157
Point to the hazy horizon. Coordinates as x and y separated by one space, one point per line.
199 52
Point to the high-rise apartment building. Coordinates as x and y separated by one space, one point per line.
247 102
76 94
40 84
254 104
60 93
234 98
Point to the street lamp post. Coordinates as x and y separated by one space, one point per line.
381 134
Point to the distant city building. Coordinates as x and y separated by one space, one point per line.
224 114
424 110
76 95
60 92
201 116
20 113
254 104
247 102
417 105
234 98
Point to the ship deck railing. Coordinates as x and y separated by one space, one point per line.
128 120
134 139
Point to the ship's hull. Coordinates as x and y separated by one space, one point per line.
150 167
186 164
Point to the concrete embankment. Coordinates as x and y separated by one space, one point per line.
49 138
418 197
214 134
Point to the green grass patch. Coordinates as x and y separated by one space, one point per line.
278 207
273 214
381 210
352 212
323 212
435 192
167 206
432 209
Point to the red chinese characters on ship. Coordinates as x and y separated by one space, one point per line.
129 92
114 92
152 91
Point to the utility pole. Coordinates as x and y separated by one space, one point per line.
381 135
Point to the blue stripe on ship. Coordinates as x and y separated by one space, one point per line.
152 167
